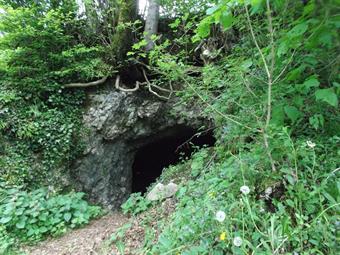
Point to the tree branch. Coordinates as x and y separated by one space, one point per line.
269 71
149 85
85 85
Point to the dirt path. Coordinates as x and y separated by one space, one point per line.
83 241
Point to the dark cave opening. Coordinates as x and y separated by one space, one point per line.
165 151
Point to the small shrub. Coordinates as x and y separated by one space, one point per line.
31 216
135 204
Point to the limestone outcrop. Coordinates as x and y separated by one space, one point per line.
118 124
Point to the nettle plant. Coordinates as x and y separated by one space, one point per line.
31 216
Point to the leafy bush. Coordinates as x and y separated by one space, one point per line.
135 204
31 216
40 121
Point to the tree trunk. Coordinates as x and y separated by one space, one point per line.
123 38
151 23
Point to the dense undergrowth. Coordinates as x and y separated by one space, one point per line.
31 216
265 71
41 50
270 185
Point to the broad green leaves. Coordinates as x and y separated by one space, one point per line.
327 95
311 83
203 29
135 204
245 65
292 113
226 20
33 215
256 4
317 121
298 30
218 14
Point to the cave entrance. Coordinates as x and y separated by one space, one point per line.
164 151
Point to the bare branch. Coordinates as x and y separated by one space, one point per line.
269 71
226 116
284 69
255 41
85 85
152 91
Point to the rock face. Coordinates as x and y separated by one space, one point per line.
119 123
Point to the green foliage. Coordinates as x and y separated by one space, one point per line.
272 90
328 96
266 72
42 47
135 204
180 7
44 132
298 214
31 216
40 122
52 59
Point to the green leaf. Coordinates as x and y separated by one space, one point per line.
165 241
296 73
328 96
256 4
278 115
175 24
21 224
196 166
43 229
5 219
311 83
282 49
211 10
299 29
226 20
67 216
246 64
309 8
203 29
317 121
292 113
325 38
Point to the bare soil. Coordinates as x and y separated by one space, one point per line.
83 241
94 239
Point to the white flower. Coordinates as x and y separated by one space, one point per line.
237 241
220 216
206 52
245 190
268 191
310 144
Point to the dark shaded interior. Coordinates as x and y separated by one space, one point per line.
129 75
167 150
